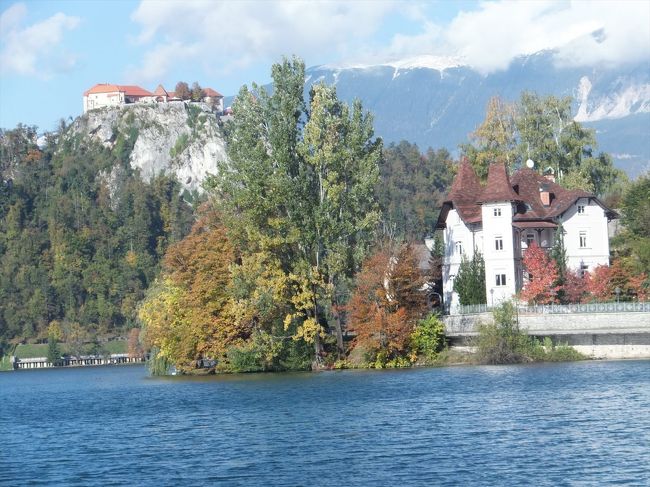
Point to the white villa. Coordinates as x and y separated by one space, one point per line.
502 218
107 95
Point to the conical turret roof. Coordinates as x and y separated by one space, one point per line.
498 186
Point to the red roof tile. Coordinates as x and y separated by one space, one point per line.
101 88
498 186
212 93
525 187
129 90
133 90
160 91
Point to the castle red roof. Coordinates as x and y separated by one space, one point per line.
128 90
160 91
212 93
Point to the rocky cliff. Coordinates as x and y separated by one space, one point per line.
174 138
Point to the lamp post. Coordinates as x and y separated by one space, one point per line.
617 290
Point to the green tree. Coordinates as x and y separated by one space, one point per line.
299 186
542 129
53 351
633 243
470 280
411 188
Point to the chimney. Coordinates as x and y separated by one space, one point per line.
545 197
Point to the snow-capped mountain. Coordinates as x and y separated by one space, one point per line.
437 102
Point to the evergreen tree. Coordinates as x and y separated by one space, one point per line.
470 280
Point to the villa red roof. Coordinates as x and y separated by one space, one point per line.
498 186
525 188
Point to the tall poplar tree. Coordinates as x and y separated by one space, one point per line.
299 186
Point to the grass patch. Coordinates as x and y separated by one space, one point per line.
31 350
40 350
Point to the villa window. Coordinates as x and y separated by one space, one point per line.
497 212
583 240
498 243
581 209
584 268
530 238
500 279
459 248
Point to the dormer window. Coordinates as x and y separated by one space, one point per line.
497 212
581 209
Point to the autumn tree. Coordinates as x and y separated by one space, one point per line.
604 280
134 347
495 139
541 287
182 91
185 315
575 287
197 93
387 302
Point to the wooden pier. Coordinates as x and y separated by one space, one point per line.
82 361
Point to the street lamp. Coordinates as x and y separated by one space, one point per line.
617 290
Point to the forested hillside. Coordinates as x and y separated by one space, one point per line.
81 234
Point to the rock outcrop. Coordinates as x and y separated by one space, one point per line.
177 138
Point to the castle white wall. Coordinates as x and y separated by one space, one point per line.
99 100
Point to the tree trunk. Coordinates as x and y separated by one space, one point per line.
318 362
339 332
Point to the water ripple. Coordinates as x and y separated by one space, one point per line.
558 424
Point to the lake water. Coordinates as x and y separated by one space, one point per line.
582 423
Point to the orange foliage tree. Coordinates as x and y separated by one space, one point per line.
186 314
575 287
542 276
604 280
387 302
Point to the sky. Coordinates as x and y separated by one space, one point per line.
52 51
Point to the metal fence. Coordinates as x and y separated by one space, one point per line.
625 307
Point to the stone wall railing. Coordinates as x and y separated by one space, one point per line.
612 307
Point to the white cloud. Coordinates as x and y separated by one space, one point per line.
581 32
34 50
233 35
225 36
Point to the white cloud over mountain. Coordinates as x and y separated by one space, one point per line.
234 35
36 49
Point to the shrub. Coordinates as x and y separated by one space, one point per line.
428 339
502 342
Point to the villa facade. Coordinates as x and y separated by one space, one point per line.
503 217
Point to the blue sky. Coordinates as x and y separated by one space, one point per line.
51 51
